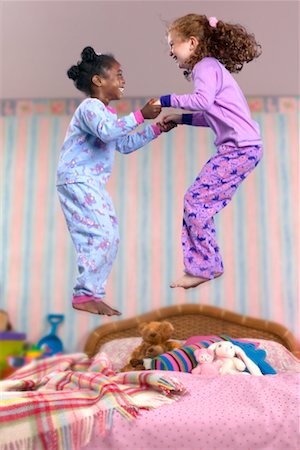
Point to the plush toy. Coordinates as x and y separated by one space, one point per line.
206 364
135 364
233 359
225 353
155 342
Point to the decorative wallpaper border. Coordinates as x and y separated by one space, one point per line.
59 107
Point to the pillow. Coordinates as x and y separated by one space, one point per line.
256 354
279 357
213 338
178 360
196 339
119 350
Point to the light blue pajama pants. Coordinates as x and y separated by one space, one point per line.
93 226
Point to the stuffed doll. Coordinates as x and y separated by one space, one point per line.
233 358
206 364
225 354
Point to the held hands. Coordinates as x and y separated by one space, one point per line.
151 110
165 127
169 122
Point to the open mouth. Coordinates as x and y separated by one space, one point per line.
121 89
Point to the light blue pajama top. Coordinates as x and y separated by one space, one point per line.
94 133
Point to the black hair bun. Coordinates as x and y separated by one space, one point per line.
88 55
73 72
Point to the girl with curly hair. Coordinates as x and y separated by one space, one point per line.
209 50
85 165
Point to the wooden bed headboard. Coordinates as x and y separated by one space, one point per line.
194 320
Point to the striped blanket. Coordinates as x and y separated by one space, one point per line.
54 403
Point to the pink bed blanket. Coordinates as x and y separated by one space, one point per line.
233 412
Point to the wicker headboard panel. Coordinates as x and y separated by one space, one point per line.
190 320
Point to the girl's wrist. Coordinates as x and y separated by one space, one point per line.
139 117
186 119
156 129
165 101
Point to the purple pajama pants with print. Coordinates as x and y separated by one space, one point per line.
212 190
93 226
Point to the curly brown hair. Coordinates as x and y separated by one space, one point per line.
231 44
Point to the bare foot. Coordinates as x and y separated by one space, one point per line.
96 308
190 281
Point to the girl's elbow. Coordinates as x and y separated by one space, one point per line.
105 138
105 135
203 105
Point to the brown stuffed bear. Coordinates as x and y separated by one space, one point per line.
155 342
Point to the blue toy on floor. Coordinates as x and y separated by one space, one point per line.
51 344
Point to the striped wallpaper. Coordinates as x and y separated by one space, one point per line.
257 231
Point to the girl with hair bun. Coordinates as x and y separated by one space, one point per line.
85 165
209 50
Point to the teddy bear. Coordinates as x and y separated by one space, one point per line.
225 353
206 364
155 342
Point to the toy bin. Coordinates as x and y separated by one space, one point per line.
11 344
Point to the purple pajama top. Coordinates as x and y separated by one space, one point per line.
220 105
94 133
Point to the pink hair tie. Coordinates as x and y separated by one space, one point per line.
213 22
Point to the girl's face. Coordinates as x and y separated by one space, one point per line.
110 87
180 49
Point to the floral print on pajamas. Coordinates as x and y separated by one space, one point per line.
93 226
212 190
84 167
216 102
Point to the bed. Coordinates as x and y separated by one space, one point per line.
233 412
191 319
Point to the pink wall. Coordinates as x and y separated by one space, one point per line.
40 40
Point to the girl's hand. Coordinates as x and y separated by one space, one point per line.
165 127
176 118
150 110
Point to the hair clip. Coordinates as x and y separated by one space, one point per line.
213 22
